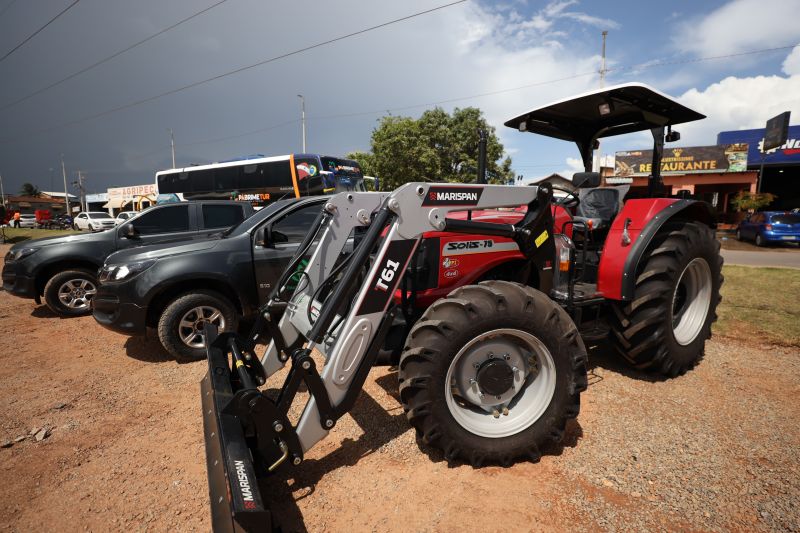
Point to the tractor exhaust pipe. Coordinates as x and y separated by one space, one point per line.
481 156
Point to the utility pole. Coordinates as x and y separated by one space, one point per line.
2 195
79 185
303 117
603 69
172 143
66 192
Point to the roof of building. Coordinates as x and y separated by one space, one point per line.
55 194
34 199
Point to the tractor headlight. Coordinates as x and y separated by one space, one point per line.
19 253
125 271
565 255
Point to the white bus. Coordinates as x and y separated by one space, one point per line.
261 180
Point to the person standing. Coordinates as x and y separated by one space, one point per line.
16 220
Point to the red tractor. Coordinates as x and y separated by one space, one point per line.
485 310
644 273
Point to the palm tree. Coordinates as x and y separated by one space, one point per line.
29 189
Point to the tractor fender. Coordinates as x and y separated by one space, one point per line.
616 274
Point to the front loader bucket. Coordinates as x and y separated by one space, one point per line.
236 503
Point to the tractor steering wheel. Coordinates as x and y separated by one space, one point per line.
570 201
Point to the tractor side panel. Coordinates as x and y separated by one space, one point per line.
611 271
465 258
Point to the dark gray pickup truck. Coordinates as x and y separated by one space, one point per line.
64 269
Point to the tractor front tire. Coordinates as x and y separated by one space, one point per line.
492 373
665 326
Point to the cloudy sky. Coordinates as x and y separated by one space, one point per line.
504 57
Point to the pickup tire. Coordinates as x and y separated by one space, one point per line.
69 293
181 324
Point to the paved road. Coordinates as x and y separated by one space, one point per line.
762 258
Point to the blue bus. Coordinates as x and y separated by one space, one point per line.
261 180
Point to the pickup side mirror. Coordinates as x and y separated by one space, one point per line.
260 237
129 232
267 237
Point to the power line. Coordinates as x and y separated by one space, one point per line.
361 113
248 67
640 66
112 56
34 34
645 66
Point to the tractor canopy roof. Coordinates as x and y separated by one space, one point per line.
610 111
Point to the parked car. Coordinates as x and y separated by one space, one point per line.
125 216
64 269
769 227
94 221
27 221
178 288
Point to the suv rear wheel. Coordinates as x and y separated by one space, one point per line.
182 323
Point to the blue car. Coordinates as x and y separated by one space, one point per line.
769 227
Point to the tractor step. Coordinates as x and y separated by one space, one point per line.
594 331
585 291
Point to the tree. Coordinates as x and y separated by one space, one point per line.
436 147
29 190
752 201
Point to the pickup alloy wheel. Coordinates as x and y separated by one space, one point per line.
69 293
182 324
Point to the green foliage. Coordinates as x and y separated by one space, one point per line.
29 189
436 147
752 201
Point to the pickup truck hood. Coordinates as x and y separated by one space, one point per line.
164 249
103 236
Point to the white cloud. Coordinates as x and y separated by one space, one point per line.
791 65
541 23
739 103
741 25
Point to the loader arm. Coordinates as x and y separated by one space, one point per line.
347 327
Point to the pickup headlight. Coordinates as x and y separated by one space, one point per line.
19 253
112 273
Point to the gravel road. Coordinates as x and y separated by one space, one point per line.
714 450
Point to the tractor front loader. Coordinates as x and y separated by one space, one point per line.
489 374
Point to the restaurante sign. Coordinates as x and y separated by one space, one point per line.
691 160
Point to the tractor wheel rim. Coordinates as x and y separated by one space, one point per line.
76 293
506 412
691 301
192 325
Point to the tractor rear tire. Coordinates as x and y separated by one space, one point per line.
457 366
665 326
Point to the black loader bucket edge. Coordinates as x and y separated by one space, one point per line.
236 503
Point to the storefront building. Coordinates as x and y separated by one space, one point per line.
714 174
781 166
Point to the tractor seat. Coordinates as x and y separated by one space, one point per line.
599 206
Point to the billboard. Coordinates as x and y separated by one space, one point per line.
777 131
787 153
132 191
688 160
